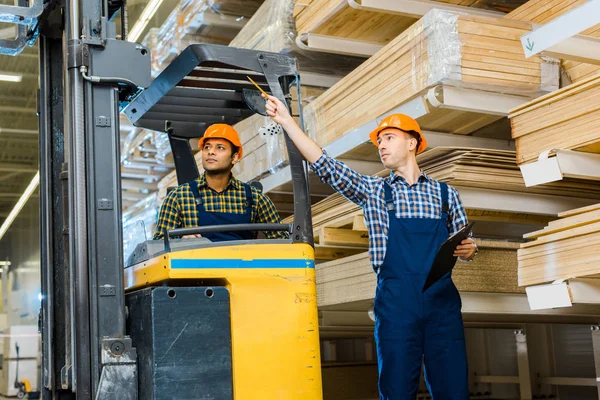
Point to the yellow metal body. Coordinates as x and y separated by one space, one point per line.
274 321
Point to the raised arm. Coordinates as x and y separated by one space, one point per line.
354 186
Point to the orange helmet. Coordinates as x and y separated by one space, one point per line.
222 131
403 123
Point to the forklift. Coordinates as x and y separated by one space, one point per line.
181 318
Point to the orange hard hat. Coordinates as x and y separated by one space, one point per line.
222 131
403 123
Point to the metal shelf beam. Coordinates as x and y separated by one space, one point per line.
418 8
563 164
557 38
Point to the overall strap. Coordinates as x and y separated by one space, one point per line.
389 198
249 203
199 207
445 205
194 188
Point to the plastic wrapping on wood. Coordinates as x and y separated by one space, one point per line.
139 222
163 147
181 28
436 51
273 28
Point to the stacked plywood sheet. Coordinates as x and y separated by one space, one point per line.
494 169
272 28
567 248
568 119
262 154
441 49
544 11
352 279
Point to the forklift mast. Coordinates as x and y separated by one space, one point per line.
85 350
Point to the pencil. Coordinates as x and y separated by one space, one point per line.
258 87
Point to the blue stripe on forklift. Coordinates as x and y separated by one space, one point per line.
238 263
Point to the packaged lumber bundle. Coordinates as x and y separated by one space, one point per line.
442 48
236 8
567 248
352 279
544 11
272 28
568 119
262 154
196 21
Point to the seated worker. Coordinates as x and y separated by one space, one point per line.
216 197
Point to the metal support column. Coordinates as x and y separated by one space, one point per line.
523 364
596 346
55 299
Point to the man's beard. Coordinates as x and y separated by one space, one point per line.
218 171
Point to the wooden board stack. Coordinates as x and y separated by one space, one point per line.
494 169
351 279
567 248
262 155
544 11
441 49
272 28
337 18
567 119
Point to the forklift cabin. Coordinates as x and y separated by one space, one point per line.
235 319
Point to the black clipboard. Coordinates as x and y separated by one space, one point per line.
444 260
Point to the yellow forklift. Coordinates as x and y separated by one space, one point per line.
181 318
231 319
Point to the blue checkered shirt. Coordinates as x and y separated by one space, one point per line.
420 200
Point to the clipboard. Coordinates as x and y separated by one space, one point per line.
444 260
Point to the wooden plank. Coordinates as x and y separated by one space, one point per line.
343 237
577 211
329 253
566 223
359 223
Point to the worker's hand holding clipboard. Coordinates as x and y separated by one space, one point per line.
445 258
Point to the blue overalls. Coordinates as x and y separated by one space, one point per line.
410 326
206 218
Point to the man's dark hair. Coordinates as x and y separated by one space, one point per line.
417 137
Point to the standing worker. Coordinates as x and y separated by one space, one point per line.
216 197
409 215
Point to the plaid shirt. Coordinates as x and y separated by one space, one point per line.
179 208
421 200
